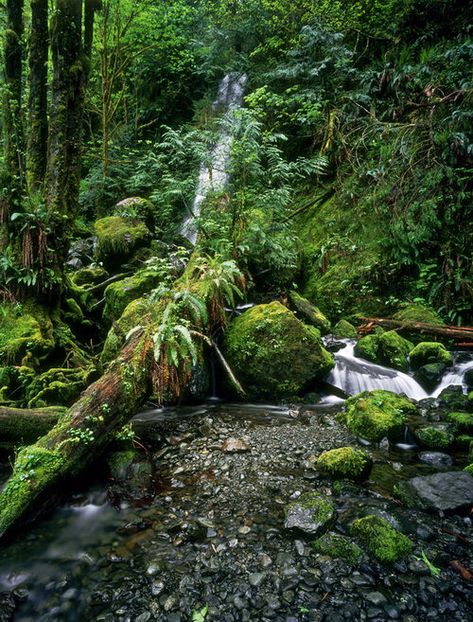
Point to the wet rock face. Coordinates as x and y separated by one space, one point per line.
311 514
444 492
435 459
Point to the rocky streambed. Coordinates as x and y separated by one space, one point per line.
196 526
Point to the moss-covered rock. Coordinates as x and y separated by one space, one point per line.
462 422
309 313
344 330
376 414
136 208
311 514
131 317
464 440
272 353
58 386
89 276
384 542
118 295
24 332
429 376
435 436
429 352
416 312
387 348
118 238
338 547
454 399
345 463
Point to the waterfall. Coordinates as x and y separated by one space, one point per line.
214 178
354 375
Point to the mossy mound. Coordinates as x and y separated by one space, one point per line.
131 317
338 547
118 295
24 332
385 349
273 354
429 352
136 208
436 436
463 422
453 399
309 313
429 376
415 312
345 463
344 330
58 386
118 238
311 514
384 542
90 276
372 415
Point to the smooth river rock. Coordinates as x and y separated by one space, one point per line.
446 492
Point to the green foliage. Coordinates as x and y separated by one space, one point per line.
381 539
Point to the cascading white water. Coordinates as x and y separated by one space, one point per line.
354 375
214 178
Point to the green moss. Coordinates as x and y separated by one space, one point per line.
345 462
90 276
118 295
120 461
74 313
376 414
415 312
118 238
137 208
131 317
435 436
273 354
469 469
21 427
344 330
381 539
387 348
462 421
464 440
23 331
309 313
428 352
323 510
35 468
338 547
58 386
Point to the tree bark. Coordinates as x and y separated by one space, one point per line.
65 134
453 332
38 98
25 425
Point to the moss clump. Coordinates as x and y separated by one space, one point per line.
90 276
58 386
338 547
131 317
273 354
375 414
118 238
428 352
464 440
120 462
386 349
344 330
118 295
35 467
23 332
469 469
381 539
414 312
309 313
461 421
345 462
137 208
311 513
435 436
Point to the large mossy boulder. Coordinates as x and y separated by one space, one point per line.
118 295
429 353
373 415
381 539
24 333
344 330
345 463
119 238
385 349
435 436
273 354
309 313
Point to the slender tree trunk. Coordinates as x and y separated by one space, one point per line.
38 99
12 112
65 133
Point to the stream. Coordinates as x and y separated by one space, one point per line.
199 522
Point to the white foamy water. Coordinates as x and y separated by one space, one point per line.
214 178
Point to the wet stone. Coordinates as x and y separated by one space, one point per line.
435 458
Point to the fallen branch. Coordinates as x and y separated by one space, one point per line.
228 369
25 425
104 284
452 332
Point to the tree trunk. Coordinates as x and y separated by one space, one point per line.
12 118
80 435
38 99
65 134
25 425
453 332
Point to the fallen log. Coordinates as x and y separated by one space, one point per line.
451 332
26 425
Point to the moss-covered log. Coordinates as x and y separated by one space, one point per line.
26 425
79 436
464 333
